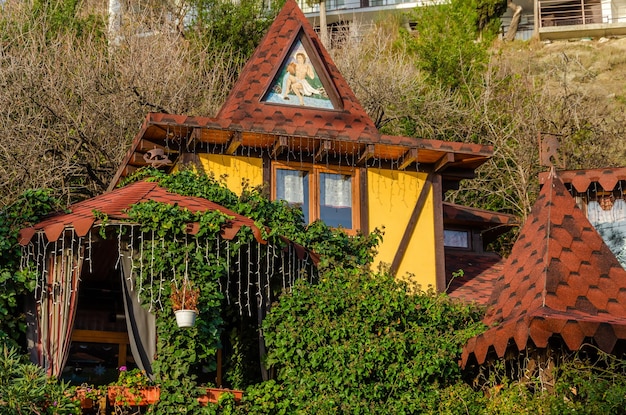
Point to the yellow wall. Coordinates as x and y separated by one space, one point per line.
392 197
234 169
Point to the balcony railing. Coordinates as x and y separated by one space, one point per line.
332 5
560 13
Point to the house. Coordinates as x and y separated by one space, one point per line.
86 317
545 19
292 124
355 15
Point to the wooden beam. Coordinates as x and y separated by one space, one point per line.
137 159
267 175
109 337
279 145
408 158
367 154
455 173
364 210
128 170
322 150
410 227
444 162
234 143
440 259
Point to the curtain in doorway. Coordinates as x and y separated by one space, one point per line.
56 306
141 324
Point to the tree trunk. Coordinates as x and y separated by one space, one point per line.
517 15
115 21
323 25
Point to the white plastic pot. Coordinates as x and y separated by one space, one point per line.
185 318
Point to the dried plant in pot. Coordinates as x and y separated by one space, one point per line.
184 299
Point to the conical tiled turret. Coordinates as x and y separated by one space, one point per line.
560 279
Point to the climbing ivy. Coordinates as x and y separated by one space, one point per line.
172 256
28 209
169 253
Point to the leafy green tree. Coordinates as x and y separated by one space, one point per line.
234 25
452 38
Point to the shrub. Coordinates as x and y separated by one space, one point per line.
360 342
25 388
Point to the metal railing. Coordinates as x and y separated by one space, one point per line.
559 13
332 5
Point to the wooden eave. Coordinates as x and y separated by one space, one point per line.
179 134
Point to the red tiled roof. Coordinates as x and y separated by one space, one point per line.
607 178
245 110
115 204
480 272
560 279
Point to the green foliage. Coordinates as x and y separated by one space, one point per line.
25 211
359 342
25 388
337 248
172 255
452 41
225 406
586 387
64 16
56 17
169 253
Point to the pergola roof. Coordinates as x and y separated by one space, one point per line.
560 279
82 215
248 124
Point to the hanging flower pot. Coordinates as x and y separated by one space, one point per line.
185 303
185 318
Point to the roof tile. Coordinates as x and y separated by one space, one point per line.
350 121
114 204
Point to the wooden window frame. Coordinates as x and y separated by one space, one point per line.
314 171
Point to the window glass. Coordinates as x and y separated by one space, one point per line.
609 219
293 186
455 239
336 200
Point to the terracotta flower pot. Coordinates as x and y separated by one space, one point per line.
213 395
121 395
85 402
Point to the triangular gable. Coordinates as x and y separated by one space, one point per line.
257 101
302 80
560 279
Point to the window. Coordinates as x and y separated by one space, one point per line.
325 193
456 239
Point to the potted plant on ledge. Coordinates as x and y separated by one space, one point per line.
133 388
185 303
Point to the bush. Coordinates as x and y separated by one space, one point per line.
25 388
360 342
